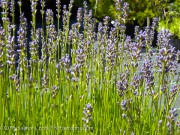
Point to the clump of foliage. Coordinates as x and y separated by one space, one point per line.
102 8
140 10
89 81
144 10
171 19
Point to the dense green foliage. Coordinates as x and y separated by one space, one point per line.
171 20
103 8
140 10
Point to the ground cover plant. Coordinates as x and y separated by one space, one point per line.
85 80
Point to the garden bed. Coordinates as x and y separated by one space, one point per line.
89 81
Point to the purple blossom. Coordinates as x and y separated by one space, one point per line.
49 17
122 83
79 15
87 112
147 74
110 53
80 56
65 61
135 83
43 6
154 23
171 118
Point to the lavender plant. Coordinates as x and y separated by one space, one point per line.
83 80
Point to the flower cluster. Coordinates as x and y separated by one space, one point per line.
1 49
123 83
147 74
87 115
11 54
65 61
49 17
166 60
171 119
135 83
80 56
125 104
111 51
58 5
